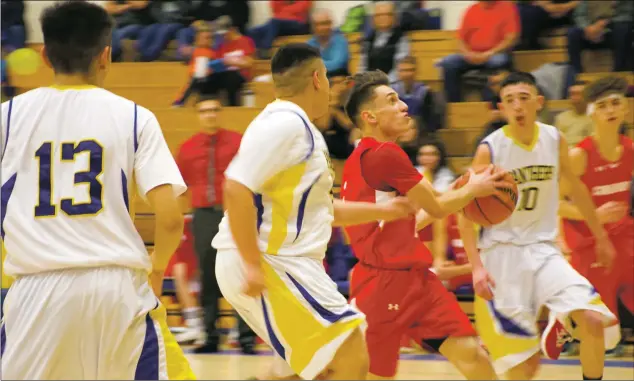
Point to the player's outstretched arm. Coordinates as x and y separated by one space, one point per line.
583 201
356 213
482 282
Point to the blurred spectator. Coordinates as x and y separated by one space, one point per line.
338 133
202 160
290 17
602 25
386 45
539 16
13 32
332 44
169 17
228 68
199 70
418 96
210 10
7 90
487 33
131 17
574 123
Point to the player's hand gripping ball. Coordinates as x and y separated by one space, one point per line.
494 209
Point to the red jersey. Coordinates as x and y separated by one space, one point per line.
607 181
377 172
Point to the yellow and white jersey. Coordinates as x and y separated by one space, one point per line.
284 161
535 169
69 159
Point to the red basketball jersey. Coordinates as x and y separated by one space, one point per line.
376 172
607 181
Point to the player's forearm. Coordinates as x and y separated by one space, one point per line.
581 198
470 241
238 201
454 200
449 272
569 211
167 237
356 213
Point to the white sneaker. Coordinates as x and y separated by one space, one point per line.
190 336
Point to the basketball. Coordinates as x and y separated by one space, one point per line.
490 210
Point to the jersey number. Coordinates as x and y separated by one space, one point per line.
45 206
528 200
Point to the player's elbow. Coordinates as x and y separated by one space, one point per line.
234 191
170 220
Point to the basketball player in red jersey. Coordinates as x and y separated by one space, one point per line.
605 164
392 283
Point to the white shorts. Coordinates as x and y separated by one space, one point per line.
88 324
527 278
301 315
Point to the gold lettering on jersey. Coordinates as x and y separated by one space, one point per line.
510 193
533 173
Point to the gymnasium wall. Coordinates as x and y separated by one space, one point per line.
260 12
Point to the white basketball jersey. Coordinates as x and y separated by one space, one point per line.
69 159
289 158
535 169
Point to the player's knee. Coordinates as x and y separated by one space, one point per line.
526 370
589 324
465 349
353 355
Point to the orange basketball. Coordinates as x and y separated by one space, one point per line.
490 210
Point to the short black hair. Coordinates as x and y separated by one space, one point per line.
363 91
292 55
517 77
605 86
75 33
208 97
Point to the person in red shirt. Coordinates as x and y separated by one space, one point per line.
392 283
202 160
488 31
289 18
604 162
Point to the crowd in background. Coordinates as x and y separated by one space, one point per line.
214 39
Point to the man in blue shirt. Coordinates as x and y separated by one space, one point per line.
332 44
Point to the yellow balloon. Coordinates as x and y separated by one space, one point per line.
24 61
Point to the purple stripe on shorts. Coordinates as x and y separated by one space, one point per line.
148 366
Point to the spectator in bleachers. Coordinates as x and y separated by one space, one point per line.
207 11
574 123
202 160
131 17
332 44
487 33
290 17
199 66
13 32
340 132
410 15
417 95
602 25
169 17
539 16
386 45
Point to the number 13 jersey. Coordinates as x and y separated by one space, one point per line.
71 158
535 169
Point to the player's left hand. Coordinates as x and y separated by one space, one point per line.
397 208
605 252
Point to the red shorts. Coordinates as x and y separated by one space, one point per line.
619 282
404 302
185 254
